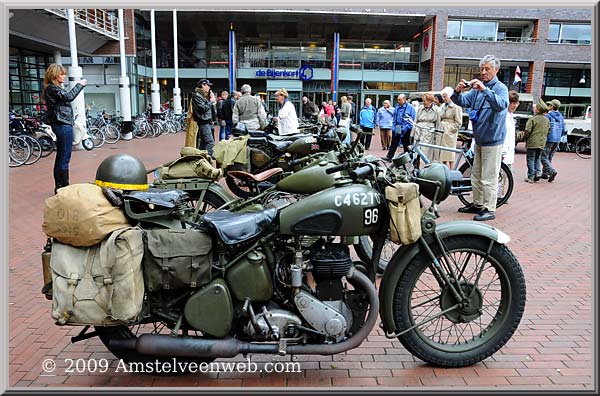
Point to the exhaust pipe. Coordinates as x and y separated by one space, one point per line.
185 347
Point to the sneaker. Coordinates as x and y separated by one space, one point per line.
529 180
536 178
471 208
485 215
544 176
552 176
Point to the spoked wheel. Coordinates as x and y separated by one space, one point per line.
204 204
241 188
18 151
36 149
364 250
111 134
97 137
453 332
121 333
48 145
583 148
506 184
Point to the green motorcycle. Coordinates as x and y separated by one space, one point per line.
279 279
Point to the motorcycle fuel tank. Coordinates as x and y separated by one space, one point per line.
353 209
303 146
308 180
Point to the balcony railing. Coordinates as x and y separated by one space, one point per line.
99 20
494 40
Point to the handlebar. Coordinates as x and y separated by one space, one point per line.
337 168
362 172
428 128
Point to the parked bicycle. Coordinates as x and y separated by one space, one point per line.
463 163
583 147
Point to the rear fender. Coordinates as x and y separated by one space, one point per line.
405 254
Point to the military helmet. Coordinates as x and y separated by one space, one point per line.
123 172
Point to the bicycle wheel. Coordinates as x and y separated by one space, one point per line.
36 150
97 137
48 145
505 185
111 134
18 151
583 147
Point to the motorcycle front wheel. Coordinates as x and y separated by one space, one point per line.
364 251
452 333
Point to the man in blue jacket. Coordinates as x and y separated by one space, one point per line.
488 101
367 123
557 129
401 127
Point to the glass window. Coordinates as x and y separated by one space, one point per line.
453 32
575 34
351 55
553 33
479 30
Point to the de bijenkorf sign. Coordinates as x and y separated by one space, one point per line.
304 73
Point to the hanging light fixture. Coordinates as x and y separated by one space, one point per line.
582 79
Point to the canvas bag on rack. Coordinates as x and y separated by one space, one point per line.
192 163
80 215
98 285
405 212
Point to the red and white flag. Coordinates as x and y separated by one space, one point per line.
517 76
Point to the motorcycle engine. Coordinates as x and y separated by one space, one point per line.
327 312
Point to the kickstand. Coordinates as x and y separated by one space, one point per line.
83 335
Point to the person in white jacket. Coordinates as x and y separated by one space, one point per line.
508 148
286 118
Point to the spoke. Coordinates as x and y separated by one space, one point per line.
426 302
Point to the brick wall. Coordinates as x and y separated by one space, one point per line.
111 48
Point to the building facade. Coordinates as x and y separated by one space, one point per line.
379 53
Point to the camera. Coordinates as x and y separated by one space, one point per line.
467 84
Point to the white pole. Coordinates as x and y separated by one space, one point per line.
124 89
176 90
57 57
154 87
75 74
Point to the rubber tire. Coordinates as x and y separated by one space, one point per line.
236 190
35 148
111 134
500 200
48 145
211 199
87 144
582 146
412 340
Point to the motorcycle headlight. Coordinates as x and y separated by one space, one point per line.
430 177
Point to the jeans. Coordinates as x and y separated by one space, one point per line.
396 138
547 155
64 148
206 139
228 128
366 139
221 132
534 165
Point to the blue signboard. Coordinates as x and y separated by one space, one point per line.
305 73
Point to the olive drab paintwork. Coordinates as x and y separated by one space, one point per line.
352 209
303 146
210 309
251 278
308 180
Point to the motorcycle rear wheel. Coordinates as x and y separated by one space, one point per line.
452 339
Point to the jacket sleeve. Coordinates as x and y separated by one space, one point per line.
497 97
464 100
285 110
235 117
458 116
262 114
200 106
67 96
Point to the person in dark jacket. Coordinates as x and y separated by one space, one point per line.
228 112
60 117
203 115
220 105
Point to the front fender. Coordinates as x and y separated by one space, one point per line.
405 254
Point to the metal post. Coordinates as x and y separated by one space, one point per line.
335 66
176 90
57 57
75 73
155 88
124 91
232 60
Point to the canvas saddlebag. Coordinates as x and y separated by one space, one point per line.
193 163
80 215
405 212
101 284
176 259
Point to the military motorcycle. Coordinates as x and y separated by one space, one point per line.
280 280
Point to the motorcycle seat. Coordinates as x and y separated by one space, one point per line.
259 177
290 138
234 228
256 133
280 146
157 196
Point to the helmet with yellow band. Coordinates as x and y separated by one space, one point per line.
122 172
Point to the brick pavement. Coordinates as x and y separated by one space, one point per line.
550 226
